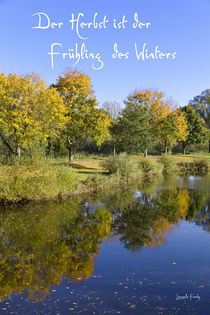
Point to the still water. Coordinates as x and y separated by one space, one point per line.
139 249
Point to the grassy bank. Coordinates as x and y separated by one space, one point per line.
85 166
38 178
34 180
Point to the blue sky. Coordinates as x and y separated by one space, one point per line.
181 26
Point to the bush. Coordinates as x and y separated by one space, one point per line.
169 164
149 166
196 167
34 181
94 182
201 166
120 165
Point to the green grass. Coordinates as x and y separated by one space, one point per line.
82 168
197 155
91 164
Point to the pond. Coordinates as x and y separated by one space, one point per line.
142 249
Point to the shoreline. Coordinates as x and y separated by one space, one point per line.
94 188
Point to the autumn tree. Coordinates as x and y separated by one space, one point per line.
29 111
165 123
150 118
84 118
201 103
197 130
144 110
172 129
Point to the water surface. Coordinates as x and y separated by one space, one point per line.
140 249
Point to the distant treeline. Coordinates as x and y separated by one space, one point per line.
66 117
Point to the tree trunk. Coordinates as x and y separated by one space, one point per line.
114 149
209 146
70 155
184 147
166 150
5 141
18 152
145 153
69 146
50 147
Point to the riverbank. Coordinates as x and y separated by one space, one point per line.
48 179
85 165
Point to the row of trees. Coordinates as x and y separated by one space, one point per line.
33 114
149 118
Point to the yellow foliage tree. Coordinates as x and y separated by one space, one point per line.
84 118
154 107
29 111
172 128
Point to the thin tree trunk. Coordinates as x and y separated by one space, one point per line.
166 150
184 147
114 149
51 149
145 153
70 155
209 146
69 146
18 152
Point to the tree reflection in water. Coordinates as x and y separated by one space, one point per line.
41 244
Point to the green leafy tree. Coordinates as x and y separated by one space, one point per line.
150 108
201 103
197 130
132 128
84 118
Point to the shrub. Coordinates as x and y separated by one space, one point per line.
120 165
169 164
201 166
94 182
196 167
34 181
149 166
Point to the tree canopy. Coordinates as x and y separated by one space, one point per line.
150 118
201 103
197 130
29 111
84 118
172 129
68 113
